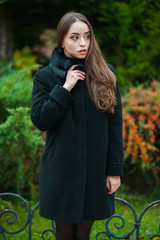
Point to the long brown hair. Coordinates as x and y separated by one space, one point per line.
100 80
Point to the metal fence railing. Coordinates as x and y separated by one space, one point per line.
113 225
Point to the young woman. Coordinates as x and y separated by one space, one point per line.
76 99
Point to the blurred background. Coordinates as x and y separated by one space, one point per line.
128 33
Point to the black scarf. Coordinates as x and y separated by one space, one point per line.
60 63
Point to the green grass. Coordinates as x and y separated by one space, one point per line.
149 224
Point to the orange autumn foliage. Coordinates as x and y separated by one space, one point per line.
141 127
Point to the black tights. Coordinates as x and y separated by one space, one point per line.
73 231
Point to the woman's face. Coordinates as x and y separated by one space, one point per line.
77 40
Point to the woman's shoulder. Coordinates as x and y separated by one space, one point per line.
44 72
46 76
111 68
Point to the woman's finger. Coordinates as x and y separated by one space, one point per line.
78 71
114 183
72 67
108 184
80 75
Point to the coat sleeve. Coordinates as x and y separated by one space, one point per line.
48 107
115 153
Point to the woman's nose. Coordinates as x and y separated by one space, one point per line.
82 43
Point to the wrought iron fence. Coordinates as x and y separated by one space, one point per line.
113 225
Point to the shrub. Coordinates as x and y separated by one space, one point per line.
25 59
20 153
15 87
141 129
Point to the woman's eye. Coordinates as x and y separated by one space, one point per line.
88 36
74 37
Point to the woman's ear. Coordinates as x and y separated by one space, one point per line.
62 45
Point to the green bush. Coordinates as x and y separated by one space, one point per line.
20 142
24 59
15 87
20 153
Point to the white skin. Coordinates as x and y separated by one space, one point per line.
76 39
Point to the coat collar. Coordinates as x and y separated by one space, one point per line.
60 63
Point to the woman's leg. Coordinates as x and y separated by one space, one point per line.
65 230
83 230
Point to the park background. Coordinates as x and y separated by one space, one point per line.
128 33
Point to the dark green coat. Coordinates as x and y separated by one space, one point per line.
83 146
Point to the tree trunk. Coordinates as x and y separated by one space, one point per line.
6 49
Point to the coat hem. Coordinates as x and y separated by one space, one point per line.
70 219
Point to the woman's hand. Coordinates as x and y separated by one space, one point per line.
72 77
113 183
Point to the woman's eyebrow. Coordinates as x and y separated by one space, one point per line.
78 33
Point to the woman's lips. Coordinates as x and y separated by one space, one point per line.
83 51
